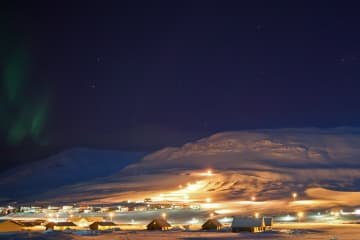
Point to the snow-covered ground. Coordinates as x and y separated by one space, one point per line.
280 232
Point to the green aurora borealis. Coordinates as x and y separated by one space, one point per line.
24 108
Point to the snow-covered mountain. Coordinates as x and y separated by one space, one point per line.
269 164
321 165
68 167
293 148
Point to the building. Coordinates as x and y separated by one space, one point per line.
10 226
122 209
16 226
247 224
158 224
268 223
211 224
103 226
60 226
85 221
37 225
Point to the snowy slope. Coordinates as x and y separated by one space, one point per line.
68 167
267 163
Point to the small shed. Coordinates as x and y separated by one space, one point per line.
247 224
268 223
158 224
211 224
103 226
60 226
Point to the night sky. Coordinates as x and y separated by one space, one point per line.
141 75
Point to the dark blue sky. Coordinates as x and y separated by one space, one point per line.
143 74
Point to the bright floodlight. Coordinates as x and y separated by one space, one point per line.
209 172
163 215
256 215
208 200
253 198
111 216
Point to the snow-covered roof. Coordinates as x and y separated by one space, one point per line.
247 222
161 222
212 221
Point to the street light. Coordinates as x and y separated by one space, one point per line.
111 216
300 215
294 195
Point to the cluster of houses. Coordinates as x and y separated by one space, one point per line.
7 210
74 209
75 223
239 224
